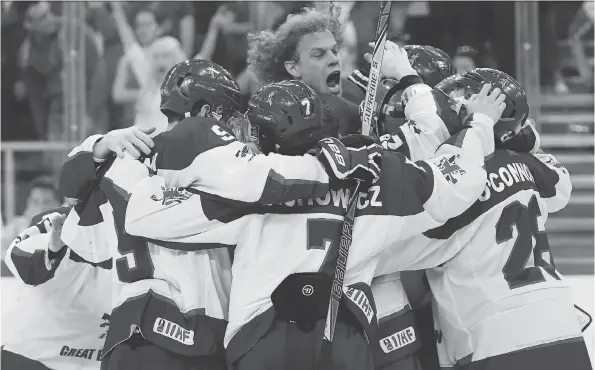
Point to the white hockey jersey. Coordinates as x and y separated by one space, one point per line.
175 294
417 139
496 271
302 236
62 319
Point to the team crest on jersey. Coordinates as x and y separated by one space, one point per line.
552 162
450 169
172 196
414 127
173 331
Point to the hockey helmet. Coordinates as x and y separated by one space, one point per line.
285 117
431 64
191 84
452 93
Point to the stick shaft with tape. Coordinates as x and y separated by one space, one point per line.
374 77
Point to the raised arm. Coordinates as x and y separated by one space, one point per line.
34 256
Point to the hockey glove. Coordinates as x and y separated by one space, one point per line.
526 141
355 157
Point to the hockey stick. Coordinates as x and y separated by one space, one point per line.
345 243
374 78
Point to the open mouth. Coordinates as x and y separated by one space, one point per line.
333 81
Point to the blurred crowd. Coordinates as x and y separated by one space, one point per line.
129 47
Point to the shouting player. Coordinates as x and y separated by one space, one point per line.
283 262
61 321
170 305
306 48
497 273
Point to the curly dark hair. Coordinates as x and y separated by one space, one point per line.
268 51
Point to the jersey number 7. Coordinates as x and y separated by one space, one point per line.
525 219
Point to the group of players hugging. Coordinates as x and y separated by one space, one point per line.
214 245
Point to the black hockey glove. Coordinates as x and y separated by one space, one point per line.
354 157
525 141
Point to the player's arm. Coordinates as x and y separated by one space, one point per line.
201 153
182 215
31 257
552 179
446 185
80 170
424 130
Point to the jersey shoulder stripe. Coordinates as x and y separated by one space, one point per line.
177 148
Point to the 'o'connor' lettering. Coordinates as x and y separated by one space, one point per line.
81 353
504 177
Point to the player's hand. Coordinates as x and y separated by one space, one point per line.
491 104
395 62
134 140
527 140
56 221
355 157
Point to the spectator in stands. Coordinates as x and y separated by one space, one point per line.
221 17
176 19
101 20
465 59
164 53
550 66
130 71
42 196
232 51
41 61
580 25
14 103
145 62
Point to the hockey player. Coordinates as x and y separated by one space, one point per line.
170 304
61 320
306 48
284 258
416 137
497 273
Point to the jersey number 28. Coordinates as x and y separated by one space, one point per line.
525 218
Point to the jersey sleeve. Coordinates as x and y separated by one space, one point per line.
29 258
212 160
424 130
78 171
178 215
552 179
437 189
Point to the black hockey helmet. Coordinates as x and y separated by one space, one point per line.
432 64
286 117
191 84
452 93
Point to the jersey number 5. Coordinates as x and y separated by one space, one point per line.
524 218
138 250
